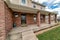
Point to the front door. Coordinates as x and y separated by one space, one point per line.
23 18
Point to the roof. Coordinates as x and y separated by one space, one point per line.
38 3
25 9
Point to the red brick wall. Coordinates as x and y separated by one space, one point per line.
6 21
2 21
29 19
8 18
17 20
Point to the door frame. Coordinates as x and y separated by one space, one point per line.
23 20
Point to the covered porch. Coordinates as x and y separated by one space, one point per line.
26 19
27 16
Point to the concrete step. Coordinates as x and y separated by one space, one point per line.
26 34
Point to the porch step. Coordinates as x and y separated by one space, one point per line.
21 34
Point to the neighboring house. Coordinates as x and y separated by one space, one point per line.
14 13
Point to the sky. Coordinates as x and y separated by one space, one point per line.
51 5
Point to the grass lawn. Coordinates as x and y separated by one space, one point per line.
53 34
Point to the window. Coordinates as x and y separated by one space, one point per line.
34 6
23 1
42 8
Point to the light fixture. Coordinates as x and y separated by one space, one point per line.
16 14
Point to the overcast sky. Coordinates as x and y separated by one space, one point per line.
51 5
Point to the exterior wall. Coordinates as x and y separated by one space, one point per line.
17 20
5 20
42 18
29 19
53 18
20 3
15 2
8 18
37 6
47 19
28 4
2 21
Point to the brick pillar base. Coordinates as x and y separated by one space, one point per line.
38 18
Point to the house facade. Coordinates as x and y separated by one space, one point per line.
15 13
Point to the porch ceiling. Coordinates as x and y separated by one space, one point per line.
46 12
25 9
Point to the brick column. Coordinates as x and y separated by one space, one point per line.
38 18
2 21
55 18
49 19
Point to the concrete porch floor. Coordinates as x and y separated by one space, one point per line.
42 26
34 27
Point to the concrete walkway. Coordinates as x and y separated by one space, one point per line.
21 33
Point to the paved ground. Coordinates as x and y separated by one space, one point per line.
42 26
27 33
42 31
21 33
